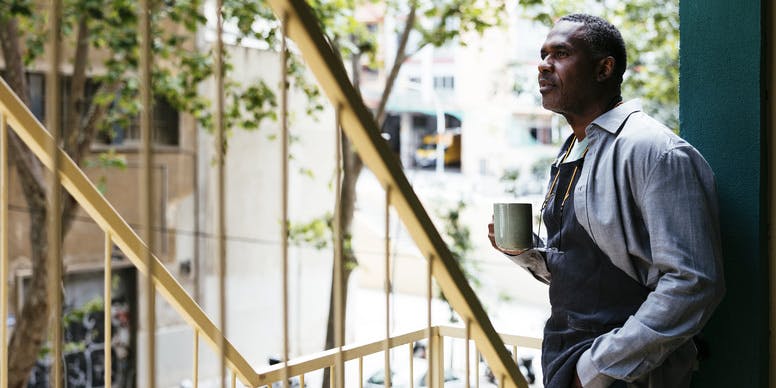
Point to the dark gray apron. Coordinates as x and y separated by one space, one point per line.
588 294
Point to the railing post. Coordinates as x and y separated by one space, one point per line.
146 187
53 118
107 321
195 367
388 287
430 355
437 364
284 185
4 259
220 190
412 366
360 372
339 306
476 366
467 355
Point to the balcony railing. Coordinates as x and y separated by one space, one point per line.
357 123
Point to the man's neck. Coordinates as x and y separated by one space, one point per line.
580 122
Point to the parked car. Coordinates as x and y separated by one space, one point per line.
426 154
400 377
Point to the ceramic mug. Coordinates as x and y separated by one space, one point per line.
513 225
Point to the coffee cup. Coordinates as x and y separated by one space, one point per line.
513 225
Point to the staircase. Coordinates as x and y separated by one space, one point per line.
359 126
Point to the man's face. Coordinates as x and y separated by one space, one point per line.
567 71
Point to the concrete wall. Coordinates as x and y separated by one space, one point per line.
721 113
253 203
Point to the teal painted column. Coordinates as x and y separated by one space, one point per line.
721 113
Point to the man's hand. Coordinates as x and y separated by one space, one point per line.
492 237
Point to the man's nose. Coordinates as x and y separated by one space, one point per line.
544 65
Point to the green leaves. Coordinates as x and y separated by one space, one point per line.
14 8
258 102
458 238
316 232
106 161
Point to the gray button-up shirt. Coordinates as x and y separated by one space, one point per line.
648 199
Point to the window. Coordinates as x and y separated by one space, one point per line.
165 121
444 82
36 85
165 131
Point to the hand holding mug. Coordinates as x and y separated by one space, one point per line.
511 230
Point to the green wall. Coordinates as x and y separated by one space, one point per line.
721 113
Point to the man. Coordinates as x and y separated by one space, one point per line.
633 247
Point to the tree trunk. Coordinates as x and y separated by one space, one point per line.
352 166
32 324
31 329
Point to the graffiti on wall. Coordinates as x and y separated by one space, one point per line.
84 349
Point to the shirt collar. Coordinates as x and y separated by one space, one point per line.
613 119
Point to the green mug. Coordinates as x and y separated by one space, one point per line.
513 225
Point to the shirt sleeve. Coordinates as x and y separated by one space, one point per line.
679 208
534 260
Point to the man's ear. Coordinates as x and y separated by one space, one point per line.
605 69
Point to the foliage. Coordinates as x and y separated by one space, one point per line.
179 69
77 314
105 161
315 233
540 169
509 178
651 32
439 22
458 238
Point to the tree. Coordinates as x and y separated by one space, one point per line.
651 32
105 54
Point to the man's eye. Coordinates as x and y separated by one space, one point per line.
561 54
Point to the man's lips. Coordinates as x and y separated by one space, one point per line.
545 85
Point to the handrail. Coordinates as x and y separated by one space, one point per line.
316 361
40 142
360 127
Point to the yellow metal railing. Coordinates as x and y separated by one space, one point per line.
360 127
40 142
314 362
357 123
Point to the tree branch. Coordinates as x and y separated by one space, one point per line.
27 165
77 87
83 142
397 63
